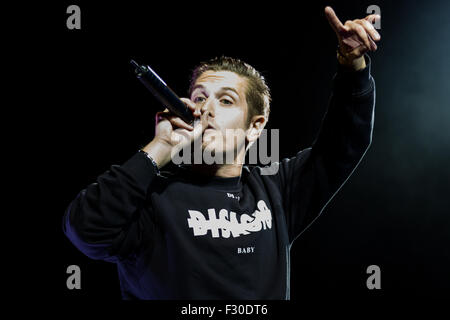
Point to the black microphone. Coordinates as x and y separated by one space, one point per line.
162 92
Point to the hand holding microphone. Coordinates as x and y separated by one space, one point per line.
175 126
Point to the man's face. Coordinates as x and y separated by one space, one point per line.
221 97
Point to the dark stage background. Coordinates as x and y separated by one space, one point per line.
393 212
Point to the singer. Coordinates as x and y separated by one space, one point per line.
224 230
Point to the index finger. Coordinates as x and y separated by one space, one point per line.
334 21
191 105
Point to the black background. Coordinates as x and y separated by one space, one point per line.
393 212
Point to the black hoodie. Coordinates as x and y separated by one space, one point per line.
186 237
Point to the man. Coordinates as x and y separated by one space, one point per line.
224 230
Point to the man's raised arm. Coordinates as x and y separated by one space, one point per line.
312 178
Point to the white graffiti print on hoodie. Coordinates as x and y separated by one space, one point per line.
227 222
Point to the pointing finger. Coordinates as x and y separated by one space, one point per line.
334 21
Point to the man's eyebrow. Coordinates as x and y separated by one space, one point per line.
197 86
230 89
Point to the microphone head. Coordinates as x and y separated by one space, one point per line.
137 68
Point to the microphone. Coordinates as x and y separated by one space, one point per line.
162 92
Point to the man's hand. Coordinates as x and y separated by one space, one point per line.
355 37
172 134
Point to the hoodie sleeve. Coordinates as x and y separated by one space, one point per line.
310 180
108 219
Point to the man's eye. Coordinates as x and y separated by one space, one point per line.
199 99
226 101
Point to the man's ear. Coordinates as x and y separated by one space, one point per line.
257 124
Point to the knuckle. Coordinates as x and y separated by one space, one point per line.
187 101
360 29
174 120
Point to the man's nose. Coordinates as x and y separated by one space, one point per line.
208 105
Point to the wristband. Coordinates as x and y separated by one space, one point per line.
151 159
